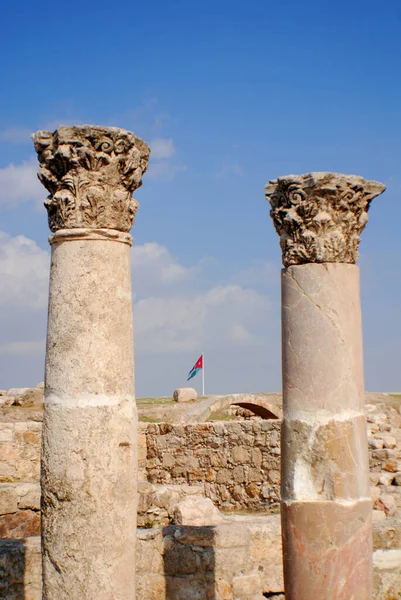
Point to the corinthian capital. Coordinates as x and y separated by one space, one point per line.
91 173
320 216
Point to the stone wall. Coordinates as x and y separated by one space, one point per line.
384 438
235 463
19 510
19 475
240 560
238 463
20 450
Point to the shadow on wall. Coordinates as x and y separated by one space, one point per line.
189 562
20 569
258 410
12 569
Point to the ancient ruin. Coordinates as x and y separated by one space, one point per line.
203 521
325 499
89 463
186 549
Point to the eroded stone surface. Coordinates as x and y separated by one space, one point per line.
89 461
91 173
326 507
322 340
197 510
320 216
185 394
319 459
328 550
89 458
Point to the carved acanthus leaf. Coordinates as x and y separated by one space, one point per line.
320 216
91 173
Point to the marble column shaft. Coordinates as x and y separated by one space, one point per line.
89 457
325 504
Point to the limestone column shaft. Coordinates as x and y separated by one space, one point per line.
325 494
89 457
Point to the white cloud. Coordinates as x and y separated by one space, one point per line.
259 274
153 268
160 166
222 316
24 273
172 322
229 168
162 148
34 348
164 170
19 183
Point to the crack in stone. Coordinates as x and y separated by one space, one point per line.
320 308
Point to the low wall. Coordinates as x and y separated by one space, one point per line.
237 560
237 462
234 463
240 560
20 449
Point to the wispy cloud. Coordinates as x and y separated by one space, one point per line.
162 148
165 170
171 316
19 183
229 168
24 274
25 348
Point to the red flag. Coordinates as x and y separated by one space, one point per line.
195 369
199 363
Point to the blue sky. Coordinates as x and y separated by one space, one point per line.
228 95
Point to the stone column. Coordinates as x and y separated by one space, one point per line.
89 464
325 504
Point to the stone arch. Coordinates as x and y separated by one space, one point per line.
267 406
260 409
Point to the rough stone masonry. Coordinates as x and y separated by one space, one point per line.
89 461
326 507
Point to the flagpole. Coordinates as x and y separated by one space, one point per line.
203 374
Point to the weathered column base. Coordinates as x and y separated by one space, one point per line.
89 500
328 550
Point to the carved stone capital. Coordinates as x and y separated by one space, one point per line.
91 173
320 216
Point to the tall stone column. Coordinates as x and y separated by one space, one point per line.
325 504
89 464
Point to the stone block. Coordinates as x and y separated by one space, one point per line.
17 392
387 574
246 585
387 503
21 524
389 441
386 533
239 455
375 443
185 395
6 432
180 560
31 398
397 479
386 478
28 496
378 515
197 511
8 499
21 569
142 449
229 536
